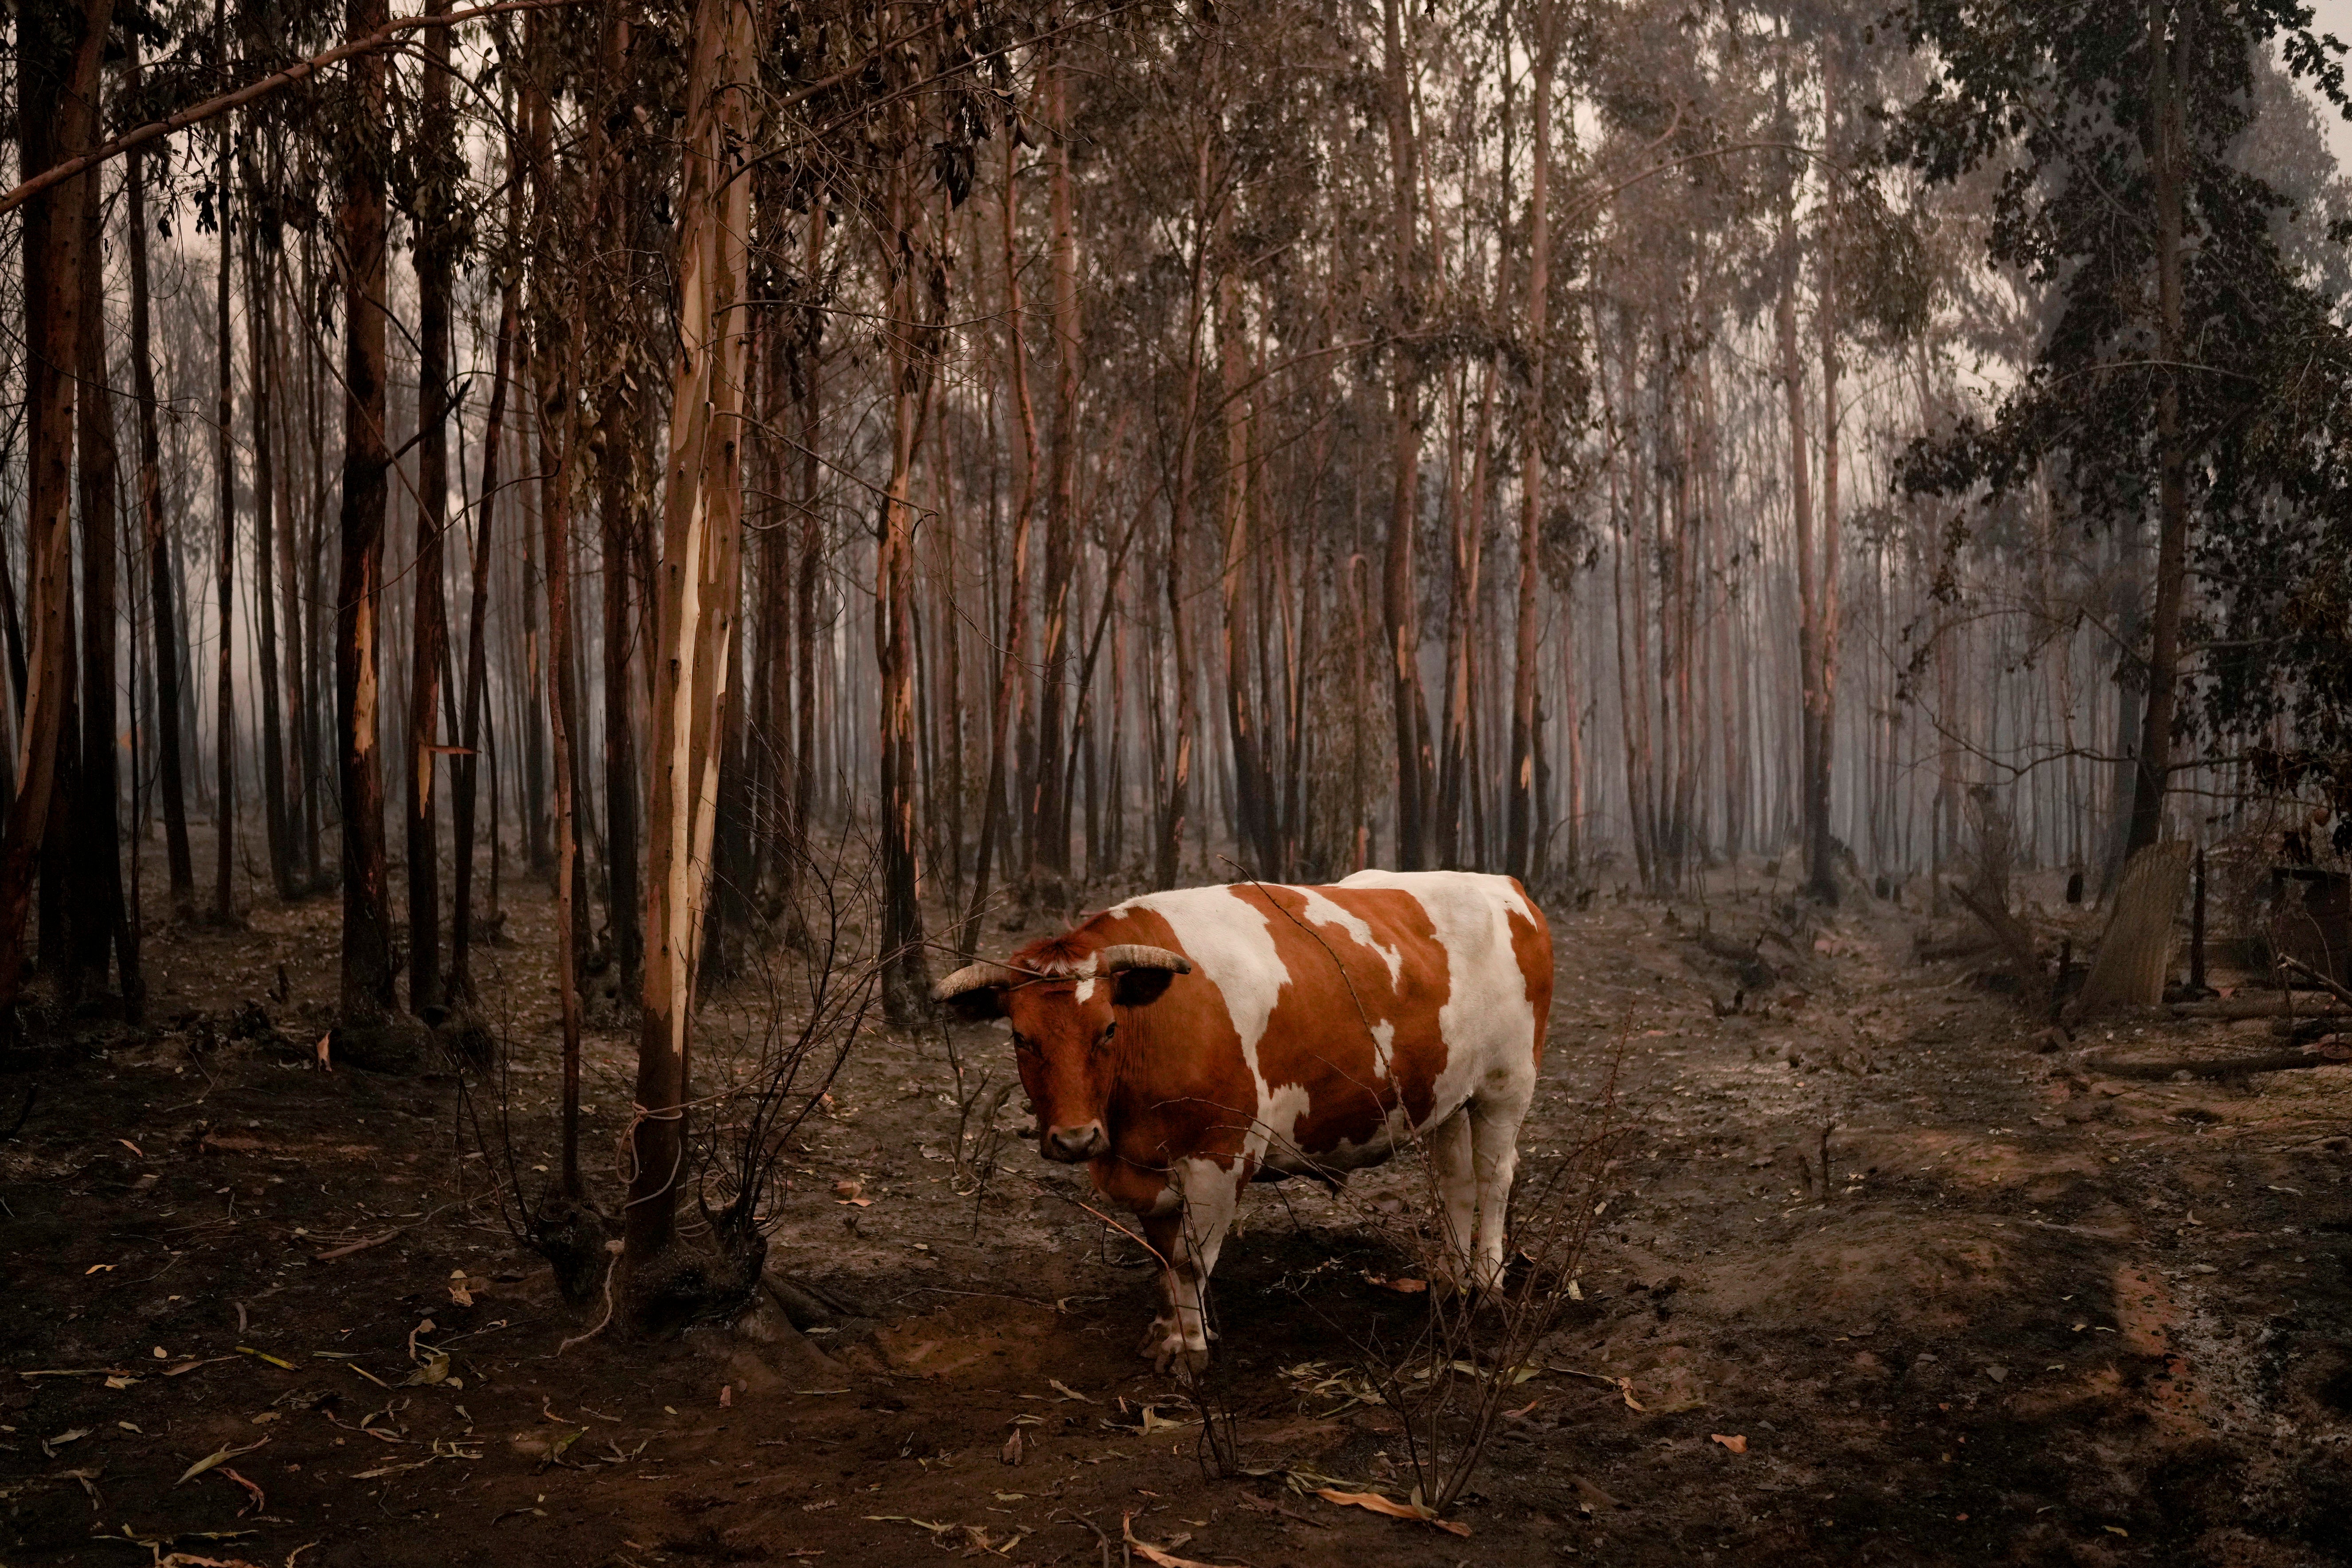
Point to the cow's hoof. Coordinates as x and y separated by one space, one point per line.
1163 1346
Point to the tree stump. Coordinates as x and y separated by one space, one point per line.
2136 947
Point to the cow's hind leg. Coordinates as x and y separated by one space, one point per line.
1495 1119
1451 1162
1187 1233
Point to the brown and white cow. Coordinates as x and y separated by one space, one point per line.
1187 1043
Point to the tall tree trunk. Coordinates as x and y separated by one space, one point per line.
2172 462
95 853
701 527
475 740
555 346
617 522
1821 705
367 971
224 565
261 367
1015 635
809 560
912 347
1253 793
1800 504
1056 699
428 642
56 82
1400 588
1518 848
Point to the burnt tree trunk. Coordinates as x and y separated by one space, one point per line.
96 850
57 78
1519 834
912 346
224 564
428 640
366 967
1017 620
465 779
169 652
261 367
1400 590
2154 772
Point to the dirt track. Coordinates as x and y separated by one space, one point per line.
2031 1315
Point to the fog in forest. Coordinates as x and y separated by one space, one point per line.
1714 641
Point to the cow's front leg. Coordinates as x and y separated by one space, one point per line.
1186 1229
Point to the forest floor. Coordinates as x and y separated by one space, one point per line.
1963 1297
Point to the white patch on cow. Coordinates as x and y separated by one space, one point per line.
1228 935
1086 991
1322 911
1384 1046
1487 1021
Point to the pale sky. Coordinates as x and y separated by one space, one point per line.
2336 16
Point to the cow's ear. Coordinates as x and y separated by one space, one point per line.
974 992
1141 974
977 1006
1141 987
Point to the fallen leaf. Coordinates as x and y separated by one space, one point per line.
1737 1442
50 1446
218 1455
848 1191
1012 1451
1390 1507
1066 1392
1401 1287
134 1148
1151 1553
323 1041
98 1268
186 1367
725 1396
265 1355
89 1479
261 1503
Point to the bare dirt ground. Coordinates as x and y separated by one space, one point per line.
1957 1297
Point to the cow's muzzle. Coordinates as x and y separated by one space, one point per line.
1071 1145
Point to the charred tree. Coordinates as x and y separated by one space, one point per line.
437 244
60 45
366 982
169 653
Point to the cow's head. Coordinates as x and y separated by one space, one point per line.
1065 1030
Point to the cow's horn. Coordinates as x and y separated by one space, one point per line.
1135 955
973 977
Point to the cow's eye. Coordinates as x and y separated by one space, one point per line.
1109 1029
1020 1041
